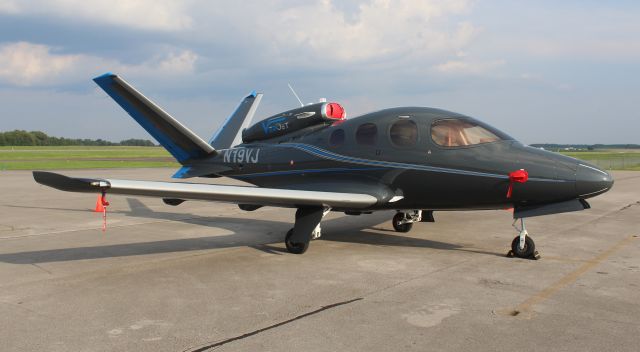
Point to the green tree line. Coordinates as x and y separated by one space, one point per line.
38 138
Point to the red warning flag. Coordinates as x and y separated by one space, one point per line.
520 176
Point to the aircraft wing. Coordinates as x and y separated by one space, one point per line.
197 191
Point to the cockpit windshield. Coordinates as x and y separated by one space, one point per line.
462 132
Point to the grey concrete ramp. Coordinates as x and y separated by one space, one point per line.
208 276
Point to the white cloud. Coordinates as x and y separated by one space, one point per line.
28 64
321 32
183 62
24 63
468 67
615 48
378 34
380 29
9 6
141 14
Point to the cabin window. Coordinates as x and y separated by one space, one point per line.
459 133
367 134
404 133
337 138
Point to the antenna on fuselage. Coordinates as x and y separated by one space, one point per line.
296 95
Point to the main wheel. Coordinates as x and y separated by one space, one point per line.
398 225
527 251
293 247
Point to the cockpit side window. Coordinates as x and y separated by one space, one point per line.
367 134
460 133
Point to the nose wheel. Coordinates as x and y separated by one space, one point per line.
522 245
524 252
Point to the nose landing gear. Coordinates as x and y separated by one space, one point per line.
522 245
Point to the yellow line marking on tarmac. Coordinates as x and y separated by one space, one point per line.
528 304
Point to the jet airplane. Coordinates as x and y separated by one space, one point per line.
414 160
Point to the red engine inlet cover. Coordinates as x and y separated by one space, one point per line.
335 111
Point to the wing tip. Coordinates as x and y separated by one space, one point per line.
42 176
65 183
105 76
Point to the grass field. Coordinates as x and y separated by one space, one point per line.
613 159
79 157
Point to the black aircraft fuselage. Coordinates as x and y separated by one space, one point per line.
431 158
414 160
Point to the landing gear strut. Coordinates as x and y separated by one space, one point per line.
403 222
522 245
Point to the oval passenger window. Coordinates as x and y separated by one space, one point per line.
367 134
404 133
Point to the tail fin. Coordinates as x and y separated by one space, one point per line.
183 144
229 134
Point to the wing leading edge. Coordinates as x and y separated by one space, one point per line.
196 191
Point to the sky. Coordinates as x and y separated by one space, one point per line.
541 71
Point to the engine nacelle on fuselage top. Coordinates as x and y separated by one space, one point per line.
294 120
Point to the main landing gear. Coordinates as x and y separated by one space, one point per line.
522 245
403 221
305 229
295 247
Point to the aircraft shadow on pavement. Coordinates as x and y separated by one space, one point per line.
348 229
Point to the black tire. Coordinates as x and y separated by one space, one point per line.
398 225
292 247
527 251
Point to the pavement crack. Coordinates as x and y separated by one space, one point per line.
629 205
258 331
20 306
41 268
414 278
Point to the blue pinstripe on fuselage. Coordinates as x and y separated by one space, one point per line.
373 165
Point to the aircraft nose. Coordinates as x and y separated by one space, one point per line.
591 181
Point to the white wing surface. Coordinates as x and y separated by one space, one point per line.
197 191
